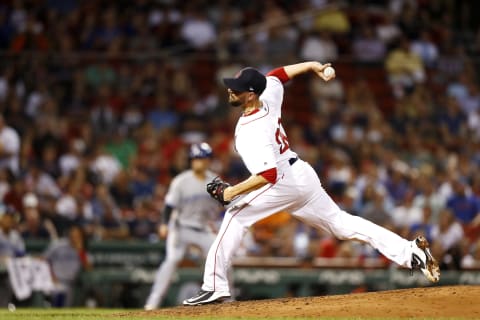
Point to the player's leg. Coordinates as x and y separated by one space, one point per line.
205 241
220 254
322 212
235 223
175 250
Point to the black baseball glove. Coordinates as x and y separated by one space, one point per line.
216 187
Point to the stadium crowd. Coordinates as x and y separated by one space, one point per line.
99 100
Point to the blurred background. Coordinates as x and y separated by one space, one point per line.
99 101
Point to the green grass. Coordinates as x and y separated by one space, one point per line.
112 314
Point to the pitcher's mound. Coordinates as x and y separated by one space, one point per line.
431 302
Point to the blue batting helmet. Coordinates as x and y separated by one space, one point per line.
200 150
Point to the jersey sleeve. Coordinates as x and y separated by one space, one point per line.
273 93
172 198
280 74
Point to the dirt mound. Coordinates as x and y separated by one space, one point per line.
447 301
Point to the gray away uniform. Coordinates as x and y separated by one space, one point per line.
193 209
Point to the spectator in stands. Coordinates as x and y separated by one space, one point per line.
197 30
425 48
67 209
6 29
405 69
103 114
388 30
350 200
111 227
405 214
70 160
453 60
276 236
322 92
132 117
377 209
472 258
67 257
367 48
427 196
108 32
464 206
40 182
143 182
397 181
11 241
333 19
108 222
122 191
11 245
339 174
9 146
425 226
474 125
407 18
281 43
104 165
34 226
142 225
319 46
163 114
102 202
49 161
142 40
6 181
469 102
346 130
30 36
99 76
121 147
451 121
448 233
316 131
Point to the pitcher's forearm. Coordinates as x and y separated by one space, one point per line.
254 182
294 70
316 67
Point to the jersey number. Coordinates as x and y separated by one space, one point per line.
281 138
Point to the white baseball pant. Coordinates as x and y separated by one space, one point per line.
298 191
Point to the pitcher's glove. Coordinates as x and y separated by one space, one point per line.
216 187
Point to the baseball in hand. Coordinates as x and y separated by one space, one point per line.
329 71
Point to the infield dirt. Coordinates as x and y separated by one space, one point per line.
430 302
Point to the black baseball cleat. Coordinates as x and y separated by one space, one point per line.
205 297
423 260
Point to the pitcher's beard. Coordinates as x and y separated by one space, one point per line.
235 103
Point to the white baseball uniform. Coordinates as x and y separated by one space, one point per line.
262 143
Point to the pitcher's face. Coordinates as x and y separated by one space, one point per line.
237 99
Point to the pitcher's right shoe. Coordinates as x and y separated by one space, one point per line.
204 297
423 260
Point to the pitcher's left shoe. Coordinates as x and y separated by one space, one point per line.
423 260
204 297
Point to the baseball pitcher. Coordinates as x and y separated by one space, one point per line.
281 181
